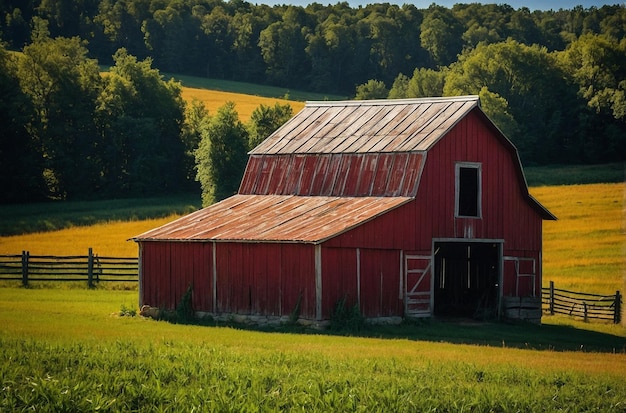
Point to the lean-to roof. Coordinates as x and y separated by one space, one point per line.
274 218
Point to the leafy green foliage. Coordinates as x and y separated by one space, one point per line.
373 89
141 117
222 155
127 311
265 120
184 309
63 85
21 172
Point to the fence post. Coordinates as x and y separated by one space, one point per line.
551 297
90 268
585 311
617 316
25 255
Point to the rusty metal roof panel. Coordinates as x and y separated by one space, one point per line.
274 218
366 126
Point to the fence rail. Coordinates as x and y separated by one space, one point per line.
583 305
90 268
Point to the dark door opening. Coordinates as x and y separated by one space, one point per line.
466 279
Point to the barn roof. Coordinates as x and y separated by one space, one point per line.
274 218
391 125
310 209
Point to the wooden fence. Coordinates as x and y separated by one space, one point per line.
90 268
582 305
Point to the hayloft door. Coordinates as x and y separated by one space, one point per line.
418 286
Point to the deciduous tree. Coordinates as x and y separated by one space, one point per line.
221 156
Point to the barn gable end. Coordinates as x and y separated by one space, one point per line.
406 208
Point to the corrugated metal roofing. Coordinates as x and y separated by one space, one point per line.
273 218
354 174
395 125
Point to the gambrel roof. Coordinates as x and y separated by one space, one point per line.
330 168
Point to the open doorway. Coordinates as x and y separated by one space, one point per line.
467 277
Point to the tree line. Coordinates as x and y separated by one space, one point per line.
69 132
553 81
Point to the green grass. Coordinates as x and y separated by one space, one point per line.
55 215
575 174
250 88
70 350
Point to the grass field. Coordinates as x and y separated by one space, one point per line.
69 350
250 89
244 104
584 250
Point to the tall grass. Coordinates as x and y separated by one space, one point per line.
71 351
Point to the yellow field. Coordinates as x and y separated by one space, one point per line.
244 104
107 239
583 251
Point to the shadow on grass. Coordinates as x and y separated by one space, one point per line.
520 335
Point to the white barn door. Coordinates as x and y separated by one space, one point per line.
418 286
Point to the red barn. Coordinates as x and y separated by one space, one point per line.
407 208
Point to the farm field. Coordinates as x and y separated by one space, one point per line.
70 350
244 104
584 250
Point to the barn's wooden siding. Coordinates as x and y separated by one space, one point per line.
168 269
347 175
368 277
265 278
251 278
506 212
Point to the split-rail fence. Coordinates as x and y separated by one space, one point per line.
582 305
91 268
95 269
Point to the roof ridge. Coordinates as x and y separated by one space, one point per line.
378 102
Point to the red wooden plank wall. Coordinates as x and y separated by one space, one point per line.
265 278
168 269
380 283
339 278
506 214
251 278
376 271
351 174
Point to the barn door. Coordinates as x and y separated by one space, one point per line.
418 280
525 273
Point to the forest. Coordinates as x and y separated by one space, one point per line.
553 81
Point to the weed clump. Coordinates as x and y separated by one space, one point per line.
346 318
127 311
184 309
